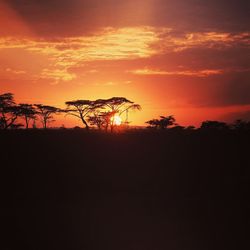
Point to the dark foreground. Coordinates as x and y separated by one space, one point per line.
139 191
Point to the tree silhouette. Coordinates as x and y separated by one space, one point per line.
101 119
117 105
81 108
95 120
28 112
214 125
9 111
163 123
46 113
241 125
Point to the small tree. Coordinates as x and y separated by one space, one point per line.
96 120
46 113
101 120
163 123
28 112
9 111
214 125
241 125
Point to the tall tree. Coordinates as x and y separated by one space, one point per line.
81 109
118 105
28 112
9 111
46 113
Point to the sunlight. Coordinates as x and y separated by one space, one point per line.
116 119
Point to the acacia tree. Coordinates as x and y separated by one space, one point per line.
81 108
117 105
9 111
163 123
46 113
28 112
101 119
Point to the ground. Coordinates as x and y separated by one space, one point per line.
71 189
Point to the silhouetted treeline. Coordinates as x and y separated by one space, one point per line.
98 113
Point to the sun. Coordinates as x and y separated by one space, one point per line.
116 119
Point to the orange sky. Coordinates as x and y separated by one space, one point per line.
189 59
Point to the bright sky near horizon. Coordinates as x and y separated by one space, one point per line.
187 58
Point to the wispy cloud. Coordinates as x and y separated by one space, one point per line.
109 44
171 42
196 73
119 44
123 43
17 72
57 75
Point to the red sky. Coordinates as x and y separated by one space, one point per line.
188 58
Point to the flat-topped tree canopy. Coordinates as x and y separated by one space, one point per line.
6 100
114 103
79 103
28 112
81 108
9 111
46 113
46 108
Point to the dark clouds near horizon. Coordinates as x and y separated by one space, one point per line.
76 17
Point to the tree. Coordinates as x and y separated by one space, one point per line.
101 119
163 123
117 105
97 119
214 125
241 125
9 111
28 112
46 113
81 108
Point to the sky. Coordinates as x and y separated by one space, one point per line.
187 58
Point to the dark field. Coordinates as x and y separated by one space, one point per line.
66 189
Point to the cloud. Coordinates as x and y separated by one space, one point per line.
77 17
196 73
131 43
65 53
173 42
57 75
17 72
124 43
109 44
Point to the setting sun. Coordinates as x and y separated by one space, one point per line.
117 120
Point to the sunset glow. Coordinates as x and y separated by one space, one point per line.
116 119
180 58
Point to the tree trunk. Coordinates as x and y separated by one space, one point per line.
45 124
85 123
11 122
27 122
